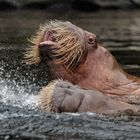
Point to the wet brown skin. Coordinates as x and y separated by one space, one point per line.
99 70
96 70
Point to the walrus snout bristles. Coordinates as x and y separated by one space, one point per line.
69 40
32 54
46 96
52 95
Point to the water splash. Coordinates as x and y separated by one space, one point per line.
16 93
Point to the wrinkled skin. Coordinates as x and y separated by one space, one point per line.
71 98
96 70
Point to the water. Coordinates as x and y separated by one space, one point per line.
119 31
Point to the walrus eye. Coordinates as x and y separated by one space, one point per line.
91 40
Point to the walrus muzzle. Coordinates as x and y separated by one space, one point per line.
47 51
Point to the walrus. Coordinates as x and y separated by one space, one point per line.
74 54
62 96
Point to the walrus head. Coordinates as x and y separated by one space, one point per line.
63 46
74 55
61 42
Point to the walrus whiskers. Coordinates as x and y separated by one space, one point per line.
70 44
46 98
32 54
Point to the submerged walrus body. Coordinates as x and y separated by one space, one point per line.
74 54
62 96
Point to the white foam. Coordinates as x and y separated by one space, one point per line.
16 96
16 92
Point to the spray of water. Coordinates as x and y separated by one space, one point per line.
15 94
